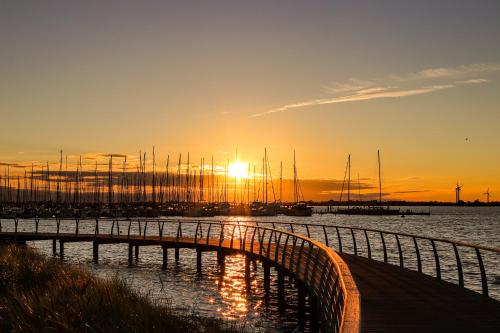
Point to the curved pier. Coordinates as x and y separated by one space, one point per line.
374 281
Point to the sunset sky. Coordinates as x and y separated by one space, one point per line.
419 80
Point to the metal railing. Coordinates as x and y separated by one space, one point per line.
455 261
376 241
316 265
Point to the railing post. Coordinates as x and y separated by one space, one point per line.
339 239
232 236
37 221
290 264
401 262
77 225
243 244
269 244
278 242
417 252
261 242
383 246
484 281
354 242
196 233
283 255
208 232
436 259
368 245
326 236
459 266
160 229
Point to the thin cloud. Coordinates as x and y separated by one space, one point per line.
362 95
352 84
448 72
355 90
473 81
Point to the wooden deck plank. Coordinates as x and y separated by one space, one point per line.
400 300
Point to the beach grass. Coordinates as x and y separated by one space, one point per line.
42 294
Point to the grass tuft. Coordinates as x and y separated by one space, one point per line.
40 294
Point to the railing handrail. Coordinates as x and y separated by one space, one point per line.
349 300
187 219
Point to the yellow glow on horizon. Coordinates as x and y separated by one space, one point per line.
238 170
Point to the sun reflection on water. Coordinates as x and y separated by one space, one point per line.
234 290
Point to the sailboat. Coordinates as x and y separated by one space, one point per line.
265 208
299 207
369 210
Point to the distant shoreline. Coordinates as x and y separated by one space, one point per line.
405 203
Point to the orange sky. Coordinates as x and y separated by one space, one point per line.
418 80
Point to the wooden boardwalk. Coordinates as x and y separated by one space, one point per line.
400 300
350 293
317 269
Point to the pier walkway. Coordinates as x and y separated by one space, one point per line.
346 292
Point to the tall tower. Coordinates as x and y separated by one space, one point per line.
487 194
458 189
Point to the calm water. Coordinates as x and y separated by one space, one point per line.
227 296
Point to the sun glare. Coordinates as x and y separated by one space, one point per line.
238 170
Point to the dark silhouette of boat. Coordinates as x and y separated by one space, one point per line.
300 207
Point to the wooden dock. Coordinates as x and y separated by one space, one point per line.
347 293
394 299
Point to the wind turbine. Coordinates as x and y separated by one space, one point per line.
458 189
487 194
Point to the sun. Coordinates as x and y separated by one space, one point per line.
238 169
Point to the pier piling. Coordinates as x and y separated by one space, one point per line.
61 249
54 247
301 290
165 257
221 260
281 290
136 252
267 276
176 255
95 250
198 261
130 254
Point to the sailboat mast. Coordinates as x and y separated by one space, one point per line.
349 181
281 182
265 168
379 178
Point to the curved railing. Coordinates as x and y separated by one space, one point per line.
454 261
409 251
311 262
